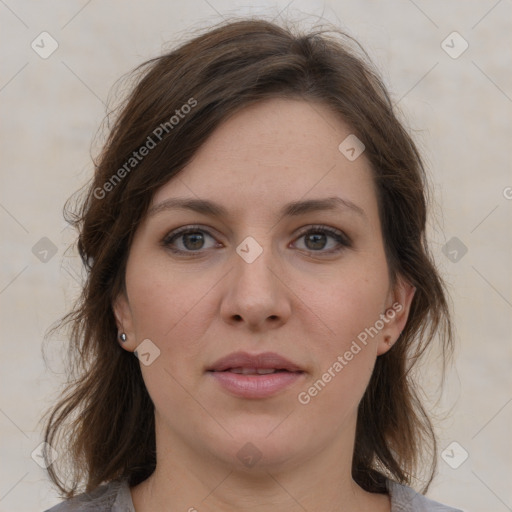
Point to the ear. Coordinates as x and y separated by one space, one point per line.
396 314
124 321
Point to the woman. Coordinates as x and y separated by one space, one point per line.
255 236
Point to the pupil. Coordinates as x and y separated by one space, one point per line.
318 240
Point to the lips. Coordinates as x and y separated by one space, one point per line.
258 364
254 371
257 376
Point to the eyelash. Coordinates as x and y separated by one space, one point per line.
339 236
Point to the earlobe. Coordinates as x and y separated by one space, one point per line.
123 316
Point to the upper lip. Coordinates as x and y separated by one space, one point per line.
265 360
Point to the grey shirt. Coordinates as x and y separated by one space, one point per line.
116 497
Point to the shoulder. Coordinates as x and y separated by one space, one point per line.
111 497
406 499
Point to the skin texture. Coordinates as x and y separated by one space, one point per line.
298 298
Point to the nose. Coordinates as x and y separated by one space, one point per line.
256 294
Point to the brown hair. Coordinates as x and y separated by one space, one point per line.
106 414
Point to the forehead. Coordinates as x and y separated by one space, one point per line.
271 153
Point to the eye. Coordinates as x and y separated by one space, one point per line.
191 238
316 239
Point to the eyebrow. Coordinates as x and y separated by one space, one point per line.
293 209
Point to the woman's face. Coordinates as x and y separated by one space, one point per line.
257 274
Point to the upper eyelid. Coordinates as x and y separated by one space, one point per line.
201 227
185 229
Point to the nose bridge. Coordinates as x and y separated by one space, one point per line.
256 293
254 262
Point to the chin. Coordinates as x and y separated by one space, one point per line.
259 445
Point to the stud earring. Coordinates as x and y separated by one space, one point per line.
123 337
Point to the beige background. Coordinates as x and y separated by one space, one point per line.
459 109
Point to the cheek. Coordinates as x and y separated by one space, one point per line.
351 310
346 358
351 304
165 302
166 305
173 310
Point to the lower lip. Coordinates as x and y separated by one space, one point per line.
255 386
